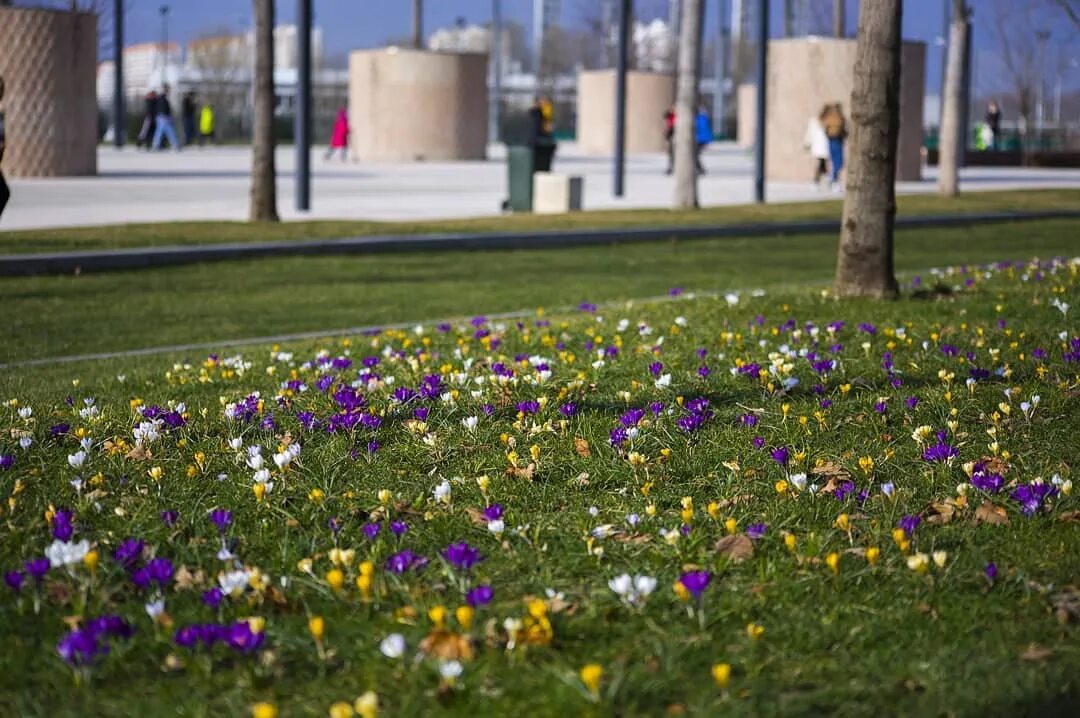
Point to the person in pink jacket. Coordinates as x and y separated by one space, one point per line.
339 137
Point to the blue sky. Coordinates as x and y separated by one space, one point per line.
349 24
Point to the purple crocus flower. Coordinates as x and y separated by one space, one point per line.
781 455
79 647
912 402
404 561
1031 497
759 442
371 530
568 409
160 571
462 556
990 571
128 552
37 568
990 483
695 582
843 489
748 420
909 523
62 526
169 517
213 597
398 528
6 461
755 531
242 639
493 512
940 453
14 580
479 596
221 518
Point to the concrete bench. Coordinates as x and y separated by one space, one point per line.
556 193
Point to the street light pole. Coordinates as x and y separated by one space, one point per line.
302 120
723 40
119 121
762 79
625 9
164 12
496 71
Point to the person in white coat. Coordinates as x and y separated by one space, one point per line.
817 143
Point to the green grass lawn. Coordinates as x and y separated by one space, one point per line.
847 616
56 316
183 233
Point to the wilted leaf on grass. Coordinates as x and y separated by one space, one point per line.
526 473
994 465
623 537
185 579
582 448
582 479
989 513
447 646
1036 653
735 501
941 512
139 453
831 469
1069 516
737 547
476 516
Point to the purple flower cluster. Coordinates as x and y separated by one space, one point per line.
984 481
462 556
479 596
238 636
157 571
404 561
81 646
1031 497
695 582
699 413
62 525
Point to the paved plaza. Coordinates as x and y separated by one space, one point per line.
212 184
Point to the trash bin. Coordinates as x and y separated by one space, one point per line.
519 167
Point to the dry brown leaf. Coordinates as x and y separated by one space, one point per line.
582 448
988 513
73 622
623 537
735 501
941 512
994 465
1069 516
737 547
139 453
476 516
583 478
447 646
1035 653
185 579
526 473
277 596
830 468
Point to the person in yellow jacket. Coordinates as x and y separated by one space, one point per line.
206 124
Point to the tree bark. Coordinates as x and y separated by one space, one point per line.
263 199
953 132
686 99
864 264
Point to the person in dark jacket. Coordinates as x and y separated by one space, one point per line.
703 135
993 121
187 112
541 134
149 123
5 193
669 137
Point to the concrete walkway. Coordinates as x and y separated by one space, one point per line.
212 184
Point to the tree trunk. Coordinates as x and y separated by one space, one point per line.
418 24
263 200
864 264
953 132
686 101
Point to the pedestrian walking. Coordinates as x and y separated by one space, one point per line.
187 113
206 124
164 122
817 143
993 121
5 192
669 138
149 123
703 134
832 119
542 133
339 135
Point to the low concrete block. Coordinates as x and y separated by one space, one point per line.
556 193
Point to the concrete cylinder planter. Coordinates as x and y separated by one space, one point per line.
414 105
48 59
648 96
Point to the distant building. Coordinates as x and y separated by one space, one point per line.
474 38
545 17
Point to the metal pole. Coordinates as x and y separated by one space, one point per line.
839 18
965 93
762 68
119 120
164 43
722 41
625 9
418 24
496 71
302 120
946 22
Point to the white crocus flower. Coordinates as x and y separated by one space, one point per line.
393 646
441 492
61 553
77 459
